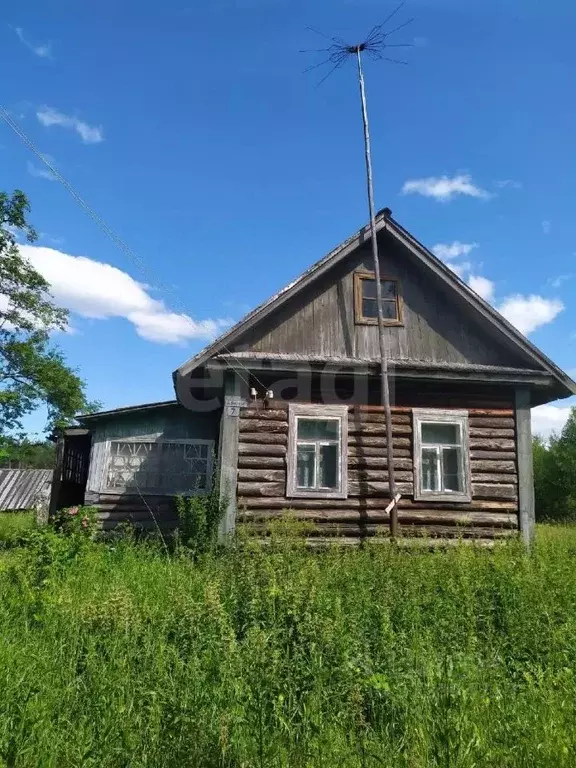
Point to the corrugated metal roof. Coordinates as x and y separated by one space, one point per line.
21 488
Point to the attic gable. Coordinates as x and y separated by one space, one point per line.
444 321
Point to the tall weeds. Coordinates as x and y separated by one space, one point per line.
276 656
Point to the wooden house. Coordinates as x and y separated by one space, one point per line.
288 402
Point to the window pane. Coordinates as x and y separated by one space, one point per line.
318 429
305 458
369 301
429 469
389 310
388 288
369 308
328 466
451 478
441 434
368 288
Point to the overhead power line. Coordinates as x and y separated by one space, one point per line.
109 232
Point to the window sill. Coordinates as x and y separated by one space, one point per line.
297 494
374 321
455 498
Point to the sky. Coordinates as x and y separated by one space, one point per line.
193 131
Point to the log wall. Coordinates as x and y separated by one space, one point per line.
492 513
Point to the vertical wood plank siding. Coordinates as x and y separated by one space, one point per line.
492 513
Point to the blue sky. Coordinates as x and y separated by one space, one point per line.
192 130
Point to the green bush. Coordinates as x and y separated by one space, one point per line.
198 521
116 655
555 474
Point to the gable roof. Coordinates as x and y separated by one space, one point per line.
484 312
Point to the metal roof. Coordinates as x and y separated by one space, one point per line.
21 488
125 409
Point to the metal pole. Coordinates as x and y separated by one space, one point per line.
384 380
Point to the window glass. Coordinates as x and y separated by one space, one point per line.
451 478
328 466
440 434
370 302
305 466
318 429
159 466
429 469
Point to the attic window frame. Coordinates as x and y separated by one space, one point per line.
359 277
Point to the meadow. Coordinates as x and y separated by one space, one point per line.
118 655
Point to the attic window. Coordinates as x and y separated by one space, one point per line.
366 303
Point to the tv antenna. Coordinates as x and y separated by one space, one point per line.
337 54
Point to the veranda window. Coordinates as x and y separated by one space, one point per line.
441 458
317 451
159 466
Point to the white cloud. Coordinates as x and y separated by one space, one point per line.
547 419
483 287
460 268
97 290
503 183
454 250
89 134
444 188
41 172
546 226
44 50
527 313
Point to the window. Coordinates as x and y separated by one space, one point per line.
317 451
367 303
441 458
159 466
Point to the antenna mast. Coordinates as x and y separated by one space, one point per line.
339 52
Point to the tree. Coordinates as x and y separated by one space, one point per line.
555 473
26 454
33 371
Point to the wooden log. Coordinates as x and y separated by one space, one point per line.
465 532
259 425
481 490
136 517
361 441
261 462
497 455
263 414
369 428
373 503
493 422
493 466
265 438
487 477
364 487
498 433
362 417
261 475
492 445
377 462
261 489
423 517
377 475
255 449
368 451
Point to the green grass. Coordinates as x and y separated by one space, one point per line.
117 656
14 524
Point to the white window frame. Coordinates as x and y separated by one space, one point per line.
436 416
337 413
155 439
